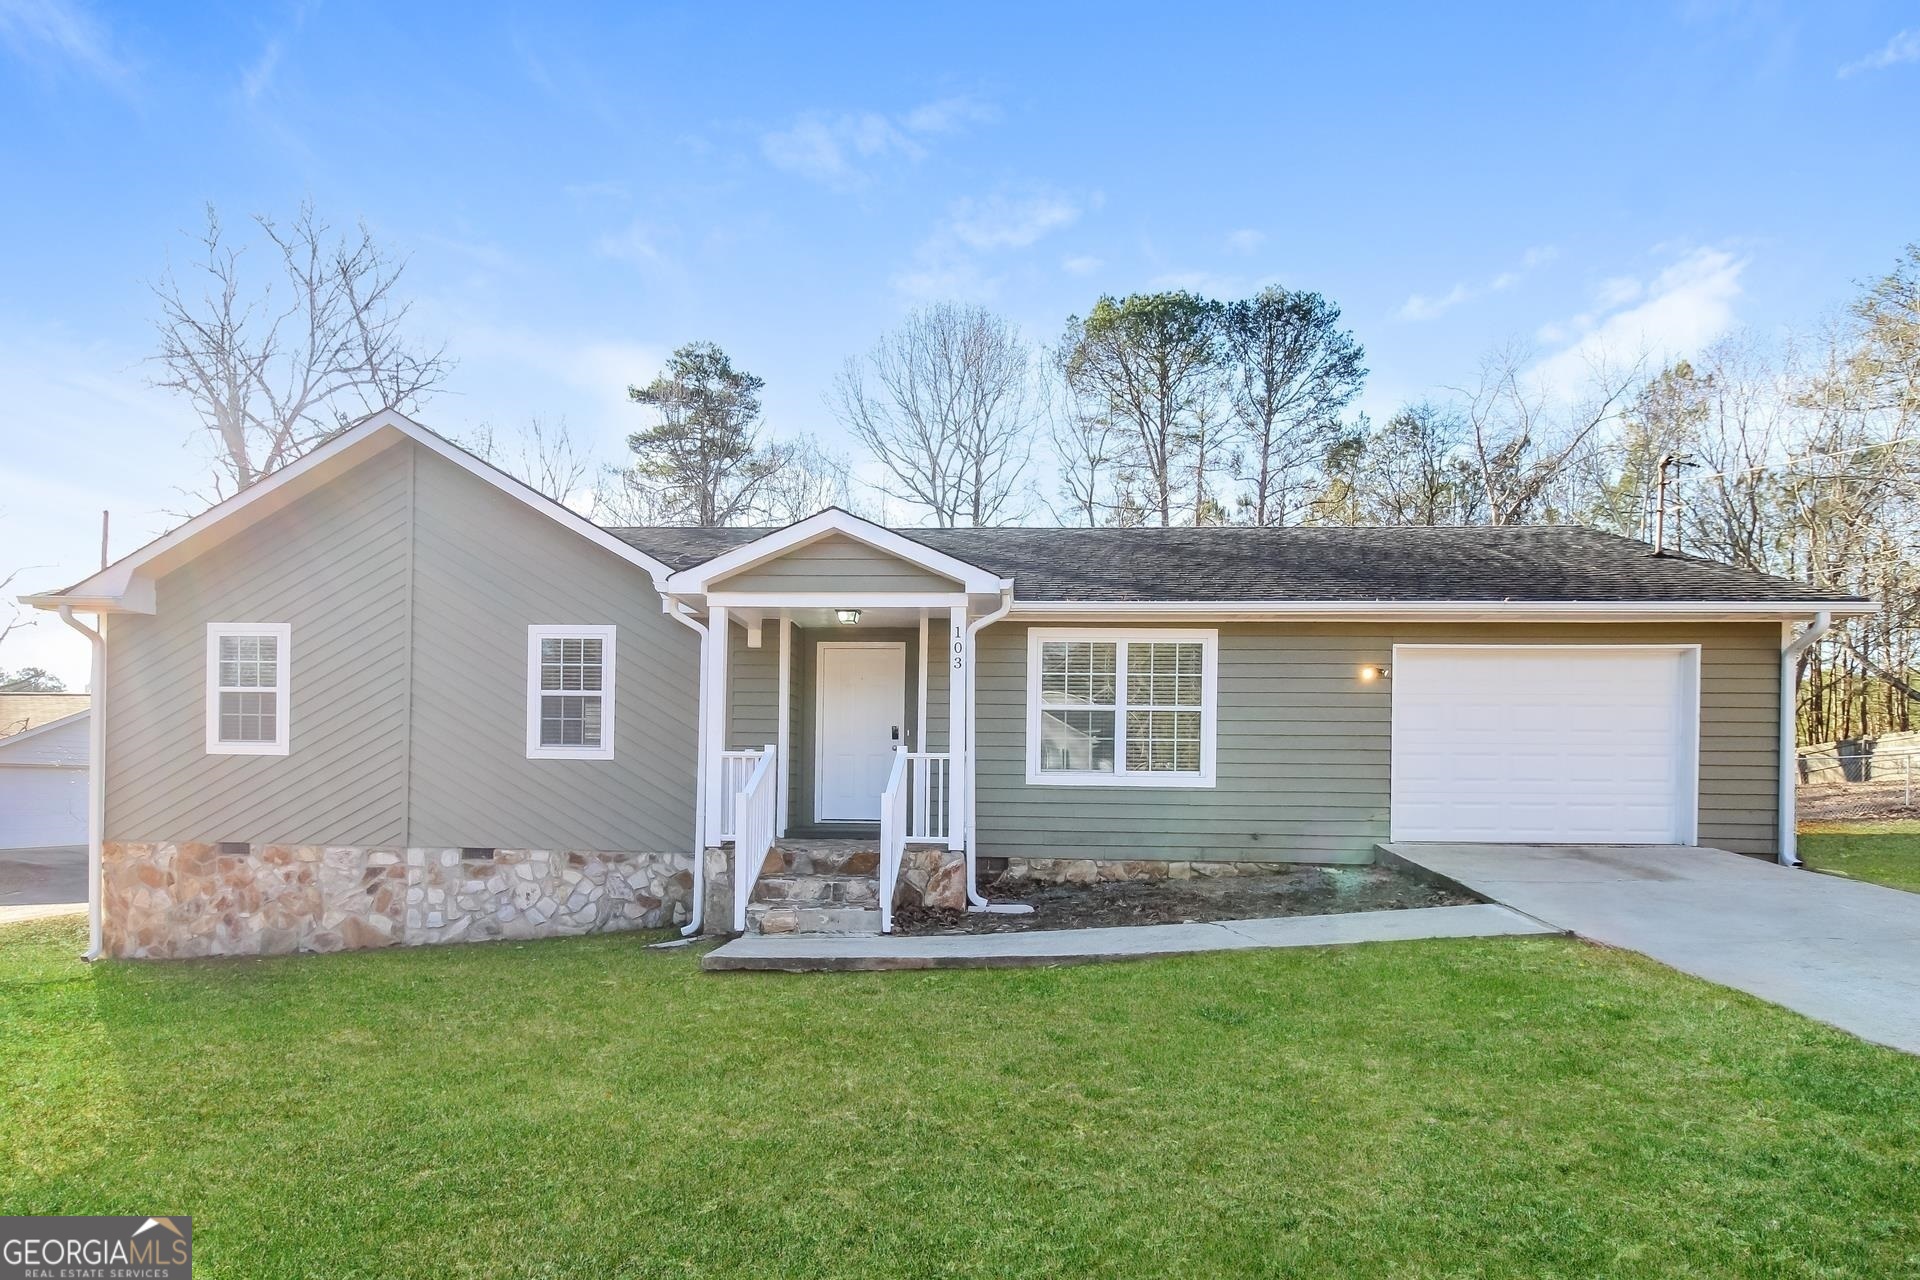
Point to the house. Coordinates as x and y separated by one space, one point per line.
392 695
43 770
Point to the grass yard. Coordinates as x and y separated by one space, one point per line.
1532 1108
1883 852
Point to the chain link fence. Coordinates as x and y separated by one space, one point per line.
1862 783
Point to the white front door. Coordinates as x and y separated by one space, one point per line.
860 703
1546 744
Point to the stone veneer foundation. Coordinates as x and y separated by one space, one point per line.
1094 870
174 900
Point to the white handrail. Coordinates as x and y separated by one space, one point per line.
754 812
735 768
930 784
893 835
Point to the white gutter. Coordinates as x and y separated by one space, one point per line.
1449 610
697 916
1788 842
96 775
967 830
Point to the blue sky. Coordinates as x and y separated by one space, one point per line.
580 190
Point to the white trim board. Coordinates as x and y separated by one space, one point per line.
1438 610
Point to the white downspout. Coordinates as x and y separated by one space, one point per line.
96 774
967 830
697 916
1788 842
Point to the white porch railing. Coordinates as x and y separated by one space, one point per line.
735 768
930 792
893 835
755 820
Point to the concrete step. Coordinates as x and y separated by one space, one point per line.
788 889
771 919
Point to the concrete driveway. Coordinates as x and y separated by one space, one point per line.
42 882
1838 950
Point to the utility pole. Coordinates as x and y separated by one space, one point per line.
1667 462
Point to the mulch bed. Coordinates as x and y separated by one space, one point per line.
1302 891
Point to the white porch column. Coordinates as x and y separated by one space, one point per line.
783 741
713 708
957 659
922 740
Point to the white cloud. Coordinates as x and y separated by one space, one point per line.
47 32
256 78
638 244
1904 47
1245 240
836 148
949 115
1686 305
1081 264
948 265
1003 222
1422 306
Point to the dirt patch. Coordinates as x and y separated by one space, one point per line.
1303 891
1880 800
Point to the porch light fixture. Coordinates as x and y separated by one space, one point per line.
1369 674
847 616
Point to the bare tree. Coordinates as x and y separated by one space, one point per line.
1291 371
806 479
1523 435
949 412
544 456
273 371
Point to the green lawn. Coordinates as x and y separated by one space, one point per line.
1883 852
1532 1108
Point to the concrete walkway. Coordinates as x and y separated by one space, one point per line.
1842 951
797 954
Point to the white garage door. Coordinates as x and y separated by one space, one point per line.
41 807
1547 745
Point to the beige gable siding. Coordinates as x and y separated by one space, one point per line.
488 567
1304 749
334 567
835 563
409 585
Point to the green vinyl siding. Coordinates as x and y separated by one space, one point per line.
1305 749
409 585
835 563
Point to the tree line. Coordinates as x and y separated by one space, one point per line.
1793 456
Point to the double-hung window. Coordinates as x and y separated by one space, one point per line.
249 669
569 692
1121 708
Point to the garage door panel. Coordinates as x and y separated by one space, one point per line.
1537 744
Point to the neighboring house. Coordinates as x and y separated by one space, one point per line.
390 694
43 769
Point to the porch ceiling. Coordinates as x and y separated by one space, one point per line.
825 618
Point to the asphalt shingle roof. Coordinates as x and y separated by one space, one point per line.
1559 563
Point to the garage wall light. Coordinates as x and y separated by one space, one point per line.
1369 674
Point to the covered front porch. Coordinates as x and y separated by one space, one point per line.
835 705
